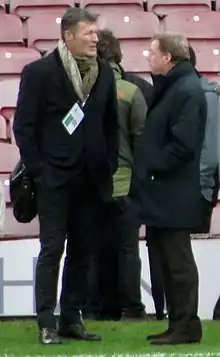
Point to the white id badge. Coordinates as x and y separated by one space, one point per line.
73 119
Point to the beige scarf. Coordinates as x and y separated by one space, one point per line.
82 71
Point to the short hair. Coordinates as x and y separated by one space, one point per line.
108 46
175 44
73 16
192 56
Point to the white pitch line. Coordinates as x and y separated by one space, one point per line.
153 354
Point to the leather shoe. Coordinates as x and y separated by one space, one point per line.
48 336
158 335
77 332
175 339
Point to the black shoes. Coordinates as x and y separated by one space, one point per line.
175 339
134 315
158 335
48 336
77 332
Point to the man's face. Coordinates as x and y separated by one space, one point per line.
83 39
159 62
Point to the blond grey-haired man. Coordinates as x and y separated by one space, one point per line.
169 176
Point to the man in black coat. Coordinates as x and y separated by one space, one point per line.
167 179
67 132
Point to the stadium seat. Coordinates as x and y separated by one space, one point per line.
27 8
134 37
194 24
128 25
165 7
135 57
10 29
8 96
38 37
2 7
204 38
8 158
3 130
104 6
13 59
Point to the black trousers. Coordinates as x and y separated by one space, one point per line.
119 264
157 287
68 211
180 277
206 217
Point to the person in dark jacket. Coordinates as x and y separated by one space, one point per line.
119 268
209 179
66 128
167 177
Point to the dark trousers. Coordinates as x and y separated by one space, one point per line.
206 216
180 277
157 287
119 261
68 211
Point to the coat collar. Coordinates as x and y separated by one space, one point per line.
163 82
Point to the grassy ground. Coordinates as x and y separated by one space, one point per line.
19 338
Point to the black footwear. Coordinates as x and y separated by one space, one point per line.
134 315
89 316
159 335
77 332
175 339
49 336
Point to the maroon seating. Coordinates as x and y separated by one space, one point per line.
3 130
204 38
128 25
13 60
27 8
105 6
135 56
10 29
2 7
165 7
8 97
38 37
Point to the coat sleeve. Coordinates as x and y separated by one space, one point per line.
137 118
25 120
209 154
186 136
111 126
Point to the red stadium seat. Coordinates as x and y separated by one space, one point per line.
135 57
38 37
195 24
8 96
165 7
204 38
105 6
131 25
8 158
5 181
10 29
13 59
3 129
2 7
27 8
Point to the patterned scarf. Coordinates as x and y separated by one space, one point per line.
82 71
